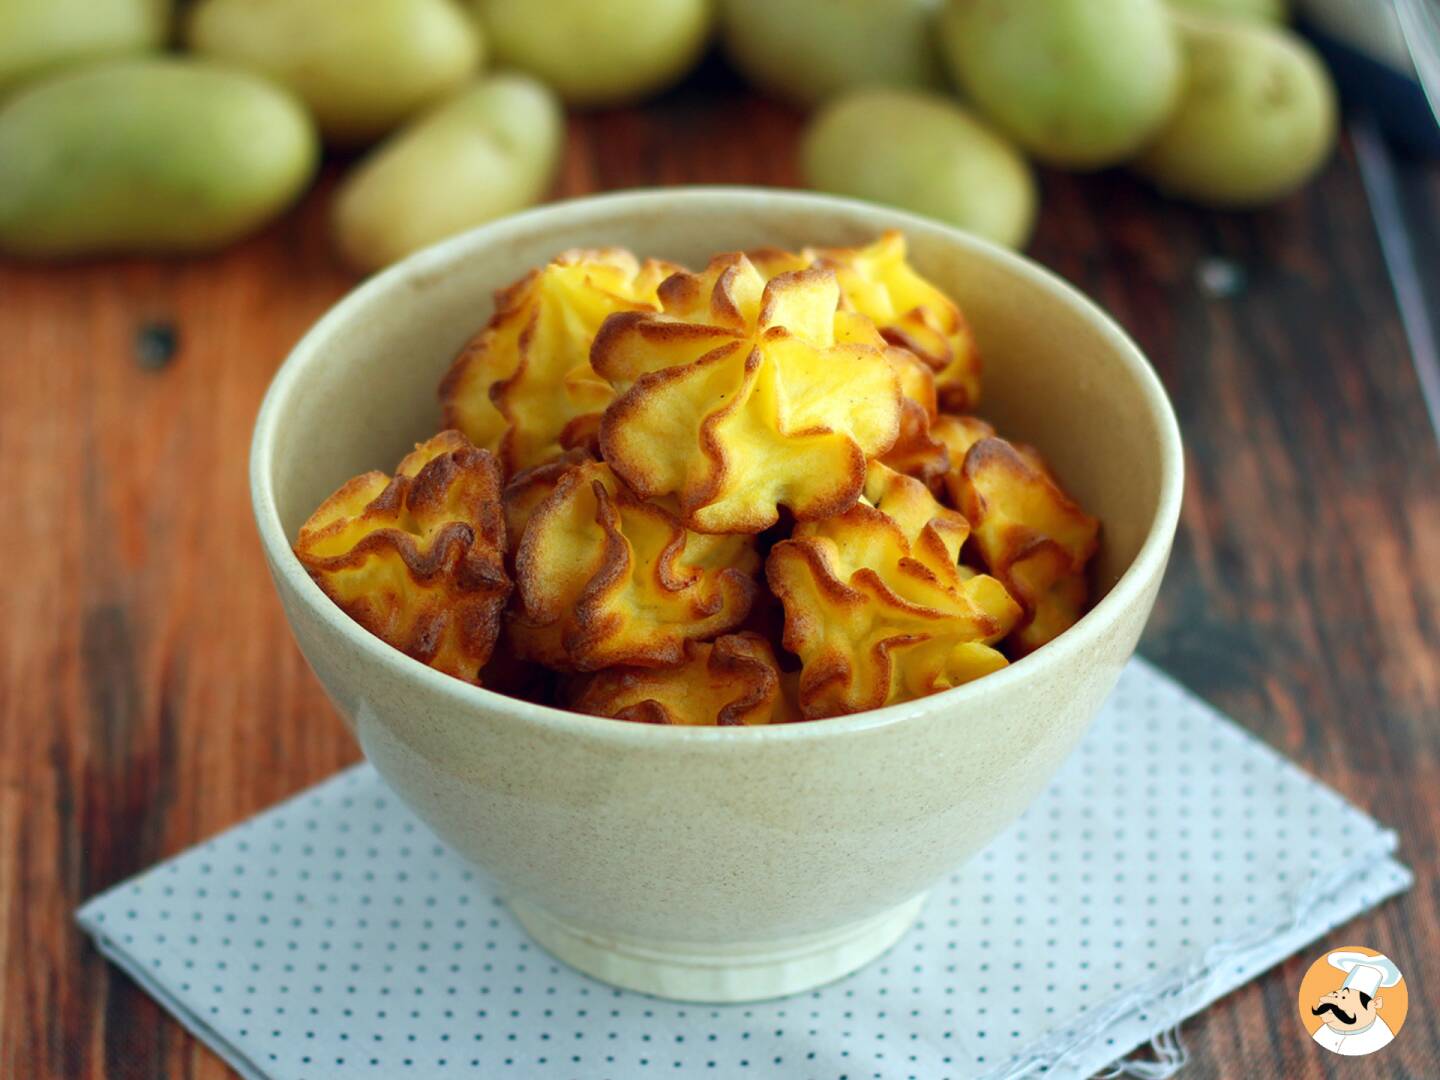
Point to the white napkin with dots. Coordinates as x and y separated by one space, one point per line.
1174 858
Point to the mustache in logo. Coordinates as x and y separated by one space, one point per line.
1330 1006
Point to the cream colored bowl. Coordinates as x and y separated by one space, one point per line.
720 864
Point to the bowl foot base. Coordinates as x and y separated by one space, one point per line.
716 973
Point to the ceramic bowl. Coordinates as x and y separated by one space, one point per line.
720 864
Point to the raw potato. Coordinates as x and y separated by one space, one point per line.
1256 119
39 36
1079 83
924 153
598 52
159 155
1273 10
806 51
363 66
490 151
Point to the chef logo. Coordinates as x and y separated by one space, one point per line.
1353 1001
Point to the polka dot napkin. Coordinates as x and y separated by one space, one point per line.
1174 858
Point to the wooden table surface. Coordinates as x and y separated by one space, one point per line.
150 693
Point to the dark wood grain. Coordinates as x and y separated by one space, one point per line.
150 693
1304 595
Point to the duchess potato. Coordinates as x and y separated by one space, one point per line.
877 607
1256 119
417 558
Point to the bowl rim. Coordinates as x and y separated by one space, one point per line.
1149 561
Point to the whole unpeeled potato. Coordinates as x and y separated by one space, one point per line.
488 152
1257 116
1273 10
807 51
39 36
1078 83
598 52
363 66
155 155
921 152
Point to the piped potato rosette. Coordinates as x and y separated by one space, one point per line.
877 607
878 281
938 363
918 450
605 577
530 487
743 396
1029 533
732 681
523 387
908 310
417 559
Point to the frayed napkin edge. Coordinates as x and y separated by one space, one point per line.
1201 984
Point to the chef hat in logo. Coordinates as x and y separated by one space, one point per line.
1364 973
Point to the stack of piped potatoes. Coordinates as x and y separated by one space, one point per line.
131 126
754 493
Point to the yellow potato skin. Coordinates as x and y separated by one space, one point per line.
596 53
807 52
1078 83
1256 119
148 156
923 153
41 36
488 152
1277 11
361 67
